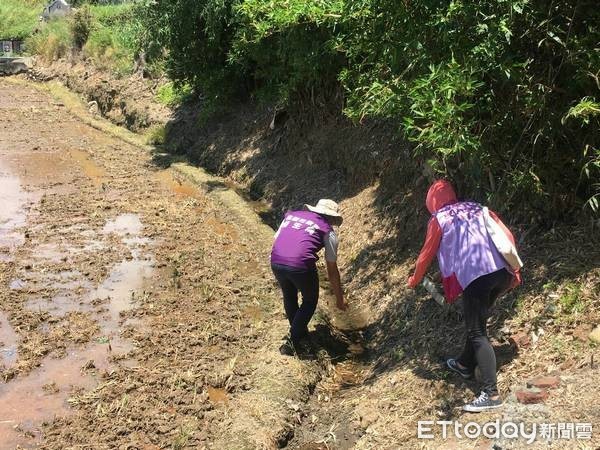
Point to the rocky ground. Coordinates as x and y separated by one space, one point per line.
137 309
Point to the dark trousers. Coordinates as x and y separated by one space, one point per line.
478 298
291 280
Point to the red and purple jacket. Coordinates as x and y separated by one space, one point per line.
457 234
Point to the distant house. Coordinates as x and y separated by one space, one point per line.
56 8
11 47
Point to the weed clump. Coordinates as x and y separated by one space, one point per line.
80 26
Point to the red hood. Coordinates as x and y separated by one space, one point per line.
440 194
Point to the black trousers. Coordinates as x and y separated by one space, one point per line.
478 298
291 280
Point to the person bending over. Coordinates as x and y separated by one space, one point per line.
300 237
470 264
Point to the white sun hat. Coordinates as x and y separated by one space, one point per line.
327 208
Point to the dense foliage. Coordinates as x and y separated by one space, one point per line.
107 34
113 40
18 18
502 95
487 86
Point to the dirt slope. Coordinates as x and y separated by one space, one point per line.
375 400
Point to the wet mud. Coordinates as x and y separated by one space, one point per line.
126 292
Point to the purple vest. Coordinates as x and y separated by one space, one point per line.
299 239
466 251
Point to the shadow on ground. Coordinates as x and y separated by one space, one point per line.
302 160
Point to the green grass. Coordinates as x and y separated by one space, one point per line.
52 42
109 15
572 300
171 95
110 45
19 18
111 42
105 47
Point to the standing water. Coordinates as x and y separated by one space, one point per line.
8 343
12 212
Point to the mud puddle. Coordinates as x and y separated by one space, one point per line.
8 343
120 288
57 252
45 393
217 396
128 276
124 224
58 293
128 227
181 188
13 213
26 402
95 173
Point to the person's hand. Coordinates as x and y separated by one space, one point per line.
342 305
412 283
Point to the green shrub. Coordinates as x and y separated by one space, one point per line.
526 64
81 24
105 33
498 94
289 47
19 18
197 36
111 42
170 94
106 52
52 42
99 41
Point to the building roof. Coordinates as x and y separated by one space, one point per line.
55 2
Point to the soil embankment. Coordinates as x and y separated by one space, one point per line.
127 102
374 393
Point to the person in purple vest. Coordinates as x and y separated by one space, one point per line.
300 237
470 264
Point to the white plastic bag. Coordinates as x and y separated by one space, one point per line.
501 241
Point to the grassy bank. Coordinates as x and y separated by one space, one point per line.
378 179
105 35
19 18
501 97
